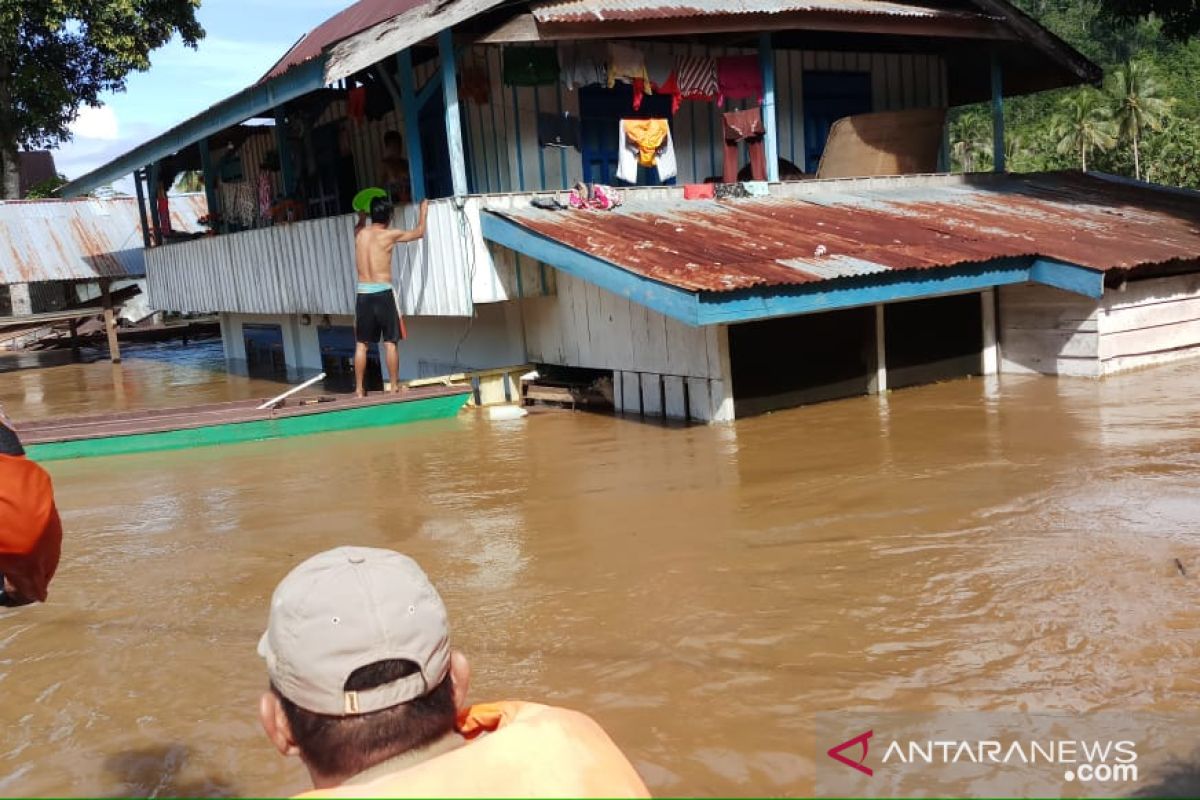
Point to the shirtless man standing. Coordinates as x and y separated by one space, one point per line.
375 311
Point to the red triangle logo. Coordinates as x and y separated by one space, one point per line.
835 752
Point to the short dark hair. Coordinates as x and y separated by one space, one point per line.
392 137
381 210
341 747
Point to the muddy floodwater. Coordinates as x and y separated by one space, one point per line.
701 591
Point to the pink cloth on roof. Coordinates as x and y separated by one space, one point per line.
739 77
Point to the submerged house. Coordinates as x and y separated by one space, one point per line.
787 231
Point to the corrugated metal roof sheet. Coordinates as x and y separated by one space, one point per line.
594 10
835 229
345 23
65 240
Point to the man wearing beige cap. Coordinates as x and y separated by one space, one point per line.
367 691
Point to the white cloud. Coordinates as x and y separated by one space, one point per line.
96 123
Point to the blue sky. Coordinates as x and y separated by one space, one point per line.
245 37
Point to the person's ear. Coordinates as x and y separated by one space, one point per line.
460 678
275 724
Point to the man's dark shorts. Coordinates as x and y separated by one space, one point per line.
376 316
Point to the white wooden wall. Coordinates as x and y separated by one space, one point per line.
1058 333
502 134
662 367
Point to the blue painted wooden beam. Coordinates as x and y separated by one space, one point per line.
766 57
250 102
669 300
1068 277
210 182
425 94
152 191
454 137
863 290
412 125
142 215
287 167
998 157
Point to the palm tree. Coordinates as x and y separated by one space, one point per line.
1137 106
190 181
1083 125
971 140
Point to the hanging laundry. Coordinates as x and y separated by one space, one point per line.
530 66
583 64
646 143
670 86
473 85
557 130
744 126
356 104
696 77
625 63
659 67
738 78
265 196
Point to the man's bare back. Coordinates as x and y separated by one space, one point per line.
374 243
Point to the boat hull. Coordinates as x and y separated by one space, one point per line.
253 430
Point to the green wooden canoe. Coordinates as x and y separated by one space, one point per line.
230 423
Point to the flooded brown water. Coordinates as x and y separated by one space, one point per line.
700 591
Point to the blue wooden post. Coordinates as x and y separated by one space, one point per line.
997 114
458 163
210 183
141 198
412 125
152 190
287 170
766 57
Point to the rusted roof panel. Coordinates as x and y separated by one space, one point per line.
630 10
84 239
834 229
347 22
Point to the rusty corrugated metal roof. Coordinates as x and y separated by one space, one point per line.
66 240
629 10
342 25
835 229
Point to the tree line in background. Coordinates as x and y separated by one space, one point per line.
1144 121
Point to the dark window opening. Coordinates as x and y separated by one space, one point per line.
933 340
829 96
792 361
264 350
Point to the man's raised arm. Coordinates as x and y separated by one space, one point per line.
417 232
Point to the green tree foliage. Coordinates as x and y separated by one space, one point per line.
1180 18
1148 98
190 181
1083 126
1138 106
47 188
58 55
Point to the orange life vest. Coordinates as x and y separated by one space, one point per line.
514 750
30 531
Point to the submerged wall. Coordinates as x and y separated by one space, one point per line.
1053 332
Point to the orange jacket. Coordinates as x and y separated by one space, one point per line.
30 531
514 750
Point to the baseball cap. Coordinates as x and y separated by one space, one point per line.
348 608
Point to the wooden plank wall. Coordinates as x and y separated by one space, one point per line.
1150 322
586 326
1049 331
1058 333
502 134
